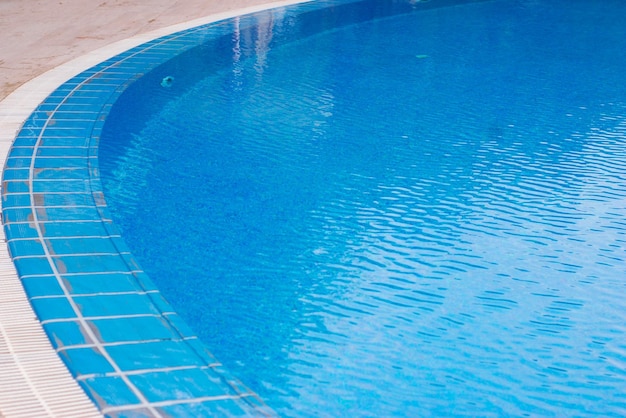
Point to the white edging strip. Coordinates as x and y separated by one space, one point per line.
34 382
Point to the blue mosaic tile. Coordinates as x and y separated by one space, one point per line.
51 308
109 391
67 107
65 141
132 65
63 152
62 91
67 132
21 152
25 140
66 334
160 303
18 162
80 78
65 162
72 124
109 63
66 246
210 408
144 281
233 382
89 263
130 412
16 200
49 105
104 213
61 173
83 115
175 46
30 132
154 56
189 383
92 102
10 215
35 123
22 230
179 325
42 286
201 351
15 174
111 78
153 355
62 199
74 185
85 284
133 329
85 361
101 91
115 305
93 150
75 229
119 243
130 261
68 214
96 132
21 247
157 41
16 186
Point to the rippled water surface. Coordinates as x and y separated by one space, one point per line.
423 214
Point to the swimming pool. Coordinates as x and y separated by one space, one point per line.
422 214
119 339
477 271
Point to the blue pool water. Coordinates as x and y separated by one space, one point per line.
421 212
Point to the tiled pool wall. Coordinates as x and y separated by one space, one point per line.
118 336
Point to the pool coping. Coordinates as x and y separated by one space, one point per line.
40 382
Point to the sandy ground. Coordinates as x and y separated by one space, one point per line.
38 35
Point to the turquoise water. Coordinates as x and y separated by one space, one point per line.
411 215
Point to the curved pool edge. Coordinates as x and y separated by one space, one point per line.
41 384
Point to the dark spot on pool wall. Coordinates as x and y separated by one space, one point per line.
167 81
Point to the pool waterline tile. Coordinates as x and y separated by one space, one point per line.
84 361
40 286
154 355
66 334
50 308
109 391
145 327
116 305
103 282
80 245
192 383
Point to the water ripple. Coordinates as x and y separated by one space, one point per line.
362 232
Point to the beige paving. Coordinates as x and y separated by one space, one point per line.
38 35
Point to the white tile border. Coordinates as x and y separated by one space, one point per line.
33 379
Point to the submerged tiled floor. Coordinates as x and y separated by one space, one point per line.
119 338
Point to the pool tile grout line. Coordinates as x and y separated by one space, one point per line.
152 369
